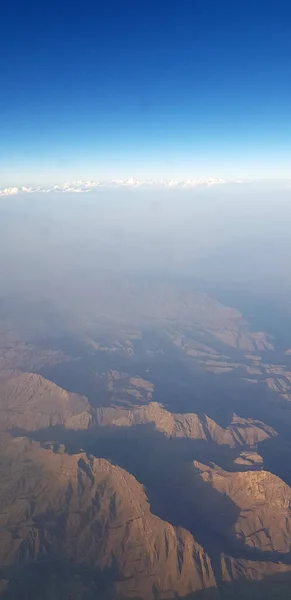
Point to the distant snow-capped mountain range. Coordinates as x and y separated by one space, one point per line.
88 186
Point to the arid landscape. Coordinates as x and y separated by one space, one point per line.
145 427
145 300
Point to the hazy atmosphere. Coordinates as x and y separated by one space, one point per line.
145 300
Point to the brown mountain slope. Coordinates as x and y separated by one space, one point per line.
28 401
250 507
240 432
85 511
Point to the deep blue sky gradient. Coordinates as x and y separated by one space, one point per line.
152 89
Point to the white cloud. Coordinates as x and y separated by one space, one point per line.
11 191
88 186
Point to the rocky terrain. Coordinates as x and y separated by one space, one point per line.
88 512
147 458
28 401
260 503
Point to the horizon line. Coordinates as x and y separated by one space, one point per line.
85 186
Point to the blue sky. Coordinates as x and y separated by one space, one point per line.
154 89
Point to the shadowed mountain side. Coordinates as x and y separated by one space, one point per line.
181 383
271 587
240 432
56 580
159 448
263 502
29 401
276 454
88 512
102 388
176 491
